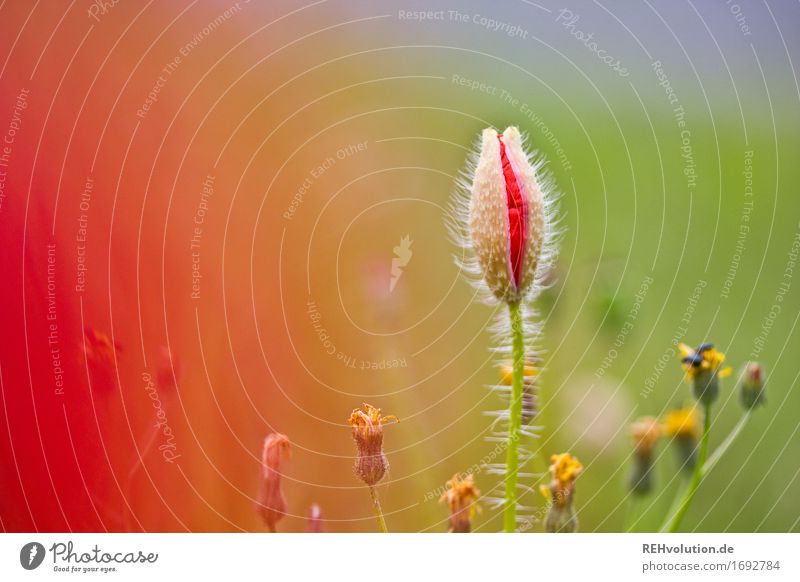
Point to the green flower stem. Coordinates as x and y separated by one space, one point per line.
632 510
715 457
378 511
514 418
698 473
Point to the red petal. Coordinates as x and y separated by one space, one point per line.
517 215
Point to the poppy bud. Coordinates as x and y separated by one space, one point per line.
645 432
561 517
751 385
506 220
271 502
371 463
683 426
460 498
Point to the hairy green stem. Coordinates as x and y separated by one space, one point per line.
719 451
514 418
378 511
697 476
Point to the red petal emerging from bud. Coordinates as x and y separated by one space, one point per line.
517 215
506 215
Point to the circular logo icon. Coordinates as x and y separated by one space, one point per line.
31 555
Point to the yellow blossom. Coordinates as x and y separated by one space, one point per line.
682 422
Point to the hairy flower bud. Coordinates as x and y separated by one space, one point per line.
271 502
645 433
561 517
460 498
371 463
506 215
752 385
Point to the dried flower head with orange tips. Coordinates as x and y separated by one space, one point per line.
460 497
503 217
271 502
367 426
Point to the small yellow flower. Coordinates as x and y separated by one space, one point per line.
705 358
682 422
561 516
564 469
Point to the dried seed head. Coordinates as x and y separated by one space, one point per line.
371 463
752 385
703 367
561 516
460 498
271 502
314 522
506 215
